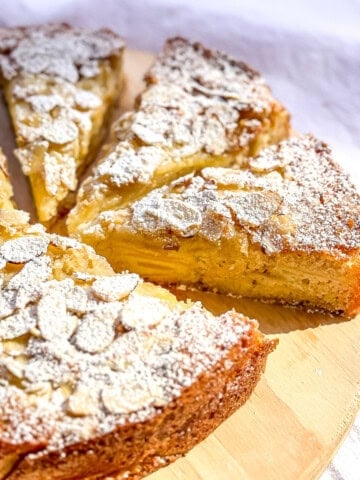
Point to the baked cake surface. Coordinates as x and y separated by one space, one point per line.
6 191
60 85
283 226
102 373
199 108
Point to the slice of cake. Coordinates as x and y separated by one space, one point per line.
102 373
61 84
6 191
199 108
285 227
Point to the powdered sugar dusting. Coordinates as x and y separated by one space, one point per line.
197 69
125 165
56 50
24 249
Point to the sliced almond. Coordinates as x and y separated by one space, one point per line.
117 400
18 324
53 319
15 367
94 334
32 274
115 287
60 131
143 312
81 403
76 299
7 303
24 249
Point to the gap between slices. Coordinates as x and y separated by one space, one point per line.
60 85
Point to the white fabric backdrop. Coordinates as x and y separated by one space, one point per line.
308 50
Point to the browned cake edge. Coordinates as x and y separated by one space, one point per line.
135 450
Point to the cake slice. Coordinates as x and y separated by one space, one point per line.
6 191
285 227
199 108
103 374
61 84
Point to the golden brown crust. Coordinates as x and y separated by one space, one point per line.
134 451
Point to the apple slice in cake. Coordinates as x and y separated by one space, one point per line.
6 191
60 85
199 108
285 226
104 374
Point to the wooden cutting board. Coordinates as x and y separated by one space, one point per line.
304 404
307 399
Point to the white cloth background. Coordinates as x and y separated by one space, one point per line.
308 50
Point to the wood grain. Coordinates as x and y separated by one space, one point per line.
306 401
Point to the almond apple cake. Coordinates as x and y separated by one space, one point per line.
104 374
200 108
284 226
60 84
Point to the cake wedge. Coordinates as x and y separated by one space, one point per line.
102 374
199 108
284 226
60 84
